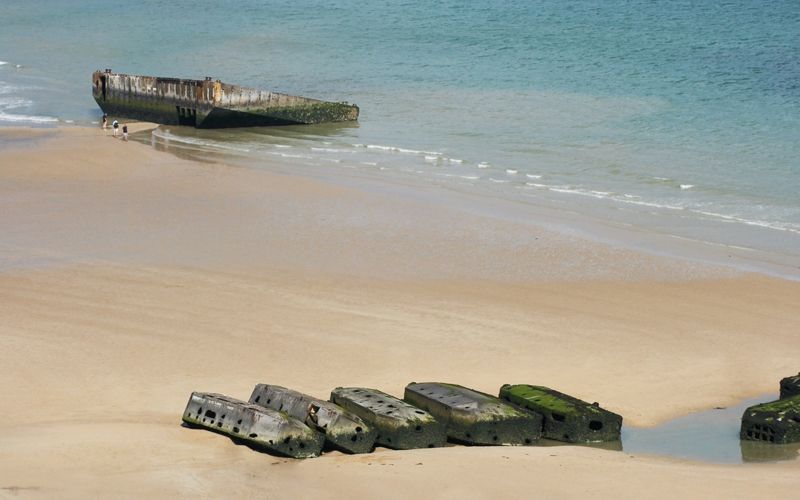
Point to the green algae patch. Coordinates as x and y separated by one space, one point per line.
775 422
565 418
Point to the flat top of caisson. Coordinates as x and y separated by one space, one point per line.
551 399
383 404
788 407
464 399
277 390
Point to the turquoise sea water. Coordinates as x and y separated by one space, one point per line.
679 118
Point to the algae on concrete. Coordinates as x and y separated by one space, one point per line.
774 422
473 417
343 430
259 427
565 418
399 425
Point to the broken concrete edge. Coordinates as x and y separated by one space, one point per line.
343 430
399 424
260 428
790 386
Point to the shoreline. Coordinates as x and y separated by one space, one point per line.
130 280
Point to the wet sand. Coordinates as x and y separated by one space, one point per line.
130 277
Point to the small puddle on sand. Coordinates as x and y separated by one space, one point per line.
707 436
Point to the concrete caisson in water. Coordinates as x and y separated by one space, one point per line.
343 430
255 425
399 425
208 104
565 418
776 422
472 417
790 386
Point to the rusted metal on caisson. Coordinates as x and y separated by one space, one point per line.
343 430
399 425
255 425
208 103
566 418
472 417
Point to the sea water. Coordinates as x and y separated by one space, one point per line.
677 119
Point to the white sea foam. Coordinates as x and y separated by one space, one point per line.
432 159
483 164
455 160
687 186
533 176
330 150
168 136
512 171
499 181
792 228
283 146
469 177
370 163
8 117
3 63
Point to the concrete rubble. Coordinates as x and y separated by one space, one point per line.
565 418
399 425
472 417
790 386
254 425
343 430
776 422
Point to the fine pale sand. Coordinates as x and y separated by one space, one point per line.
131 277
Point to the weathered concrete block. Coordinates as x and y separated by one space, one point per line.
776 422
565 418
343 430
472 417
255 425
399 425
790 386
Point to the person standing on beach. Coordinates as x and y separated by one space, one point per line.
125 132
105 121
115 126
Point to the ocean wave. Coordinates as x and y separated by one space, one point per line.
165 135
483 164
8 117
788 227
396 149
687 186
511 171
533 176
2 63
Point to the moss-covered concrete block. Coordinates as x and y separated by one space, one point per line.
775 422
343 430
399 425
472 417
259 427
565 418
790 386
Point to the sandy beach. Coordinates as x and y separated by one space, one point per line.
131 277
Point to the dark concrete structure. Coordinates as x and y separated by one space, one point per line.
343 430
207 103
472 417
565 418
790 386
259 427
776 422
399 425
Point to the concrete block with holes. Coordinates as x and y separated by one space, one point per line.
777 422
472 417
259 427
398 424
343 430
790 386
565 418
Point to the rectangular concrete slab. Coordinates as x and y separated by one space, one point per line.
260 427
790 386
399 425
473 417
565 418
343 430
777 422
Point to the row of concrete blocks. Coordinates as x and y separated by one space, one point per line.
776 422
294 424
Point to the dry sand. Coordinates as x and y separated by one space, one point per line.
129 278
